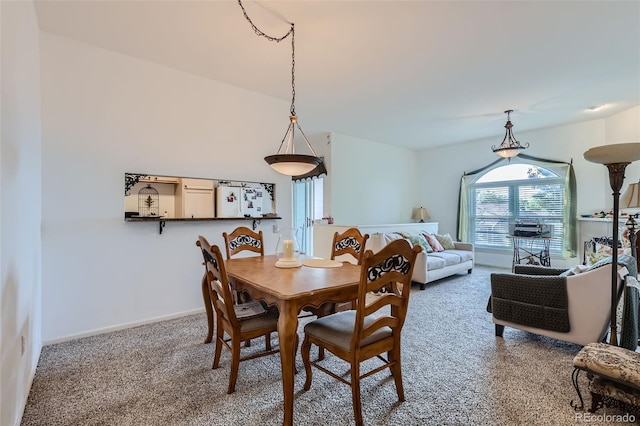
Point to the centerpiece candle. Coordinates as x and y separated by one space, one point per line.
287 249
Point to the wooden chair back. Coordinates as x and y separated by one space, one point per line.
387 274
205 295
219 288
350 242
243 239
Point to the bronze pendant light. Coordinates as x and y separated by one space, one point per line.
509 147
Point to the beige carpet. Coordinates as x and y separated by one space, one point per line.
456 372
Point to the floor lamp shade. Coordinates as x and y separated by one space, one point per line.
631 197
631 200
616 157
618 153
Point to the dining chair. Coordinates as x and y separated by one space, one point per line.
350 242
230 318
374 327
243 239
239 240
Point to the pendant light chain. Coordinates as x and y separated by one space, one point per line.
278 40
293 70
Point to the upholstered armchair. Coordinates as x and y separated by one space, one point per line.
570 305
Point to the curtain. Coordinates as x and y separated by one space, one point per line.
570 242
570 238
463 210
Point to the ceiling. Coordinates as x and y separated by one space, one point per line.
415 74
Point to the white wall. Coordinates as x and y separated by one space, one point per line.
624 127
105 114
562 143
371 183
20 217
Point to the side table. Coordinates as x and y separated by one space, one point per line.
530 250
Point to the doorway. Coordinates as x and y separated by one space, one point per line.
307 207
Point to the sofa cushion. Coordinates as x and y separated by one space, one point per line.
463 254
433 242
449 258
446 241
434 262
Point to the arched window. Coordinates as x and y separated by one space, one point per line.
516 191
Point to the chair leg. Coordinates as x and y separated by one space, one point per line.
499 330
218 351
267 341
325 309
396 371
235 365
305 352
355 392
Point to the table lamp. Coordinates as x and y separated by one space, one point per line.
631 200
420 214
616 157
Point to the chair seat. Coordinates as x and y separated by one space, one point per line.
612 362
338 328
265 320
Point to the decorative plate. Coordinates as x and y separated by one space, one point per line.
322 263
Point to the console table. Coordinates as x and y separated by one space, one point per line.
530 250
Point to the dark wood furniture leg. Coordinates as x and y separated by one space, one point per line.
208 307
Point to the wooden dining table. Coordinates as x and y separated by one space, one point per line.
291 290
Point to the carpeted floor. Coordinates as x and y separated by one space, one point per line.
456 372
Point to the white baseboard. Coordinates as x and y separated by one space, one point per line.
121 326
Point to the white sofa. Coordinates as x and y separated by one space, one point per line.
430 266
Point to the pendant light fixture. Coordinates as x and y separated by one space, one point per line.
509 147
287 161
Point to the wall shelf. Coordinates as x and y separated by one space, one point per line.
162 220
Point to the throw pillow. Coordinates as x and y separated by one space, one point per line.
446 241
419 240
433 242
594 258
608 251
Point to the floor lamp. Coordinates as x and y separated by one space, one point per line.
616 157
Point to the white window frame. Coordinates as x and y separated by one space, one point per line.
505 244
